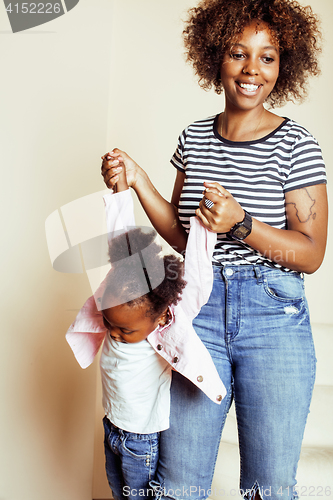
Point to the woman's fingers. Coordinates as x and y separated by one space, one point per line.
218 210
215 187
110 161
212 200
111 177
110 172
212 194
111 167
117 162
202 217
113 156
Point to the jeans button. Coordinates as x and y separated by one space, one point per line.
229 272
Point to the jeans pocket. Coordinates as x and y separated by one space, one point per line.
284 288
140 448
107 428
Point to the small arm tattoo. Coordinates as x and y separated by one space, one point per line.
307 212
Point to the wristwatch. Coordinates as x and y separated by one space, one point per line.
241 230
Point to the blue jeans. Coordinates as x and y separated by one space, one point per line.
256 326
130 462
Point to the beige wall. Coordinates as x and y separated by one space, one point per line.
109 73
53 119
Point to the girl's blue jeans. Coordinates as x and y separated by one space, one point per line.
130 462
256 326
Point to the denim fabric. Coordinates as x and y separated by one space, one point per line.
130 461
256 327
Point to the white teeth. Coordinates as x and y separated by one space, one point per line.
248 86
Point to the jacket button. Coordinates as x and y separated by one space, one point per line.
219 398
175 359
159 347
200 378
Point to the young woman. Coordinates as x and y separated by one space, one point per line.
264 192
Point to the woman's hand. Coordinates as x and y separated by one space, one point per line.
116 162
225 213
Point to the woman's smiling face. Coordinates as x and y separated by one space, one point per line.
250 68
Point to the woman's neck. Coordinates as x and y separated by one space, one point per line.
238 126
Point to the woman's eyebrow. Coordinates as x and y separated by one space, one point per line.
267 47
270 47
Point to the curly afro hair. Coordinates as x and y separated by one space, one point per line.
169 291
129 279
215 25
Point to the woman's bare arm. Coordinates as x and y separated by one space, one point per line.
162 214
301 247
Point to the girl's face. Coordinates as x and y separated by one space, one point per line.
250 69
129 324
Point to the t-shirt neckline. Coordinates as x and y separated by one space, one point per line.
245 143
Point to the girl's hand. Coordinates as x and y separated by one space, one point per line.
225 213
118 166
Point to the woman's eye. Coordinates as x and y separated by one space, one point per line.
237 56
126 332
268 59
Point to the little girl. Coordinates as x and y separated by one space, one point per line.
140 300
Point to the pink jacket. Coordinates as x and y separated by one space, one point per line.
176 342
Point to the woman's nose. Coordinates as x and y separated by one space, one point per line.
250 68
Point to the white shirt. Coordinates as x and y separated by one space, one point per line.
136 386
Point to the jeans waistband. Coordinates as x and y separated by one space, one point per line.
247 272
134 435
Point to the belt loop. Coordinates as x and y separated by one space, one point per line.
258 274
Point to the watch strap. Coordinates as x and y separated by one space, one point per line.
242 230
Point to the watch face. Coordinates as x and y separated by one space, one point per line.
241 232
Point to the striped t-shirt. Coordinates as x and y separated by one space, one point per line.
257 173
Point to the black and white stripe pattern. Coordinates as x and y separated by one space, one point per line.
257 173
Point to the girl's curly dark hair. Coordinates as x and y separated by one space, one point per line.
215 25
162 273
170 289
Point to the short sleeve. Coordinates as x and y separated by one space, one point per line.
177 159
307 164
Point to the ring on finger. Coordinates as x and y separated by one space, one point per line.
208 203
